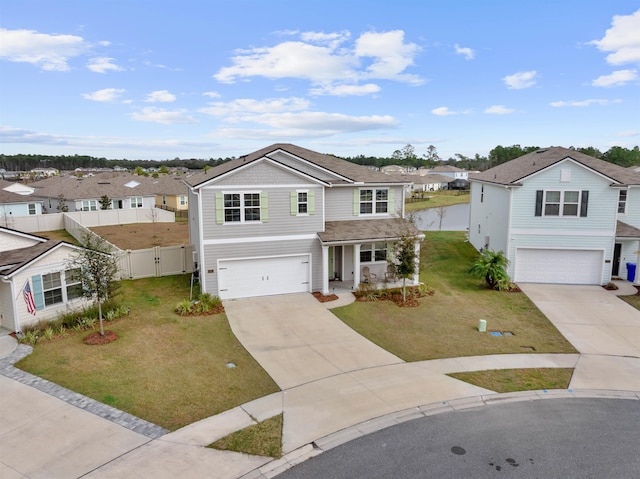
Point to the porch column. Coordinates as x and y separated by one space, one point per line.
356 266
416 274
637 278
325 269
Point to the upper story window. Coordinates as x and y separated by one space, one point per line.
136 202
622 201
374 201
562 203
89 205
373 252
241 207
32 208
303 202
482 194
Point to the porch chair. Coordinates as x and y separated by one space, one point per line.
390 274
368 276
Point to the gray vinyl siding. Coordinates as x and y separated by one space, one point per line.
305 168
263 173
280 220
266 248
631 215
603 201
339 203
489 217
194 224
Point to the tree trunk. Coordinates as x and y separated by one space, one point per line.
100 318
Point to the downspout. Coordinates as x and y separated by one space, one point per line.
508 252
202 276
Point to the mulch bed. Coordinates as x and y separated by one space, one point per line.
323 298
95 339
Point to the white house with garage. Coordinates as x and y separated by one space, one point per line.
36 280
560 216
285 219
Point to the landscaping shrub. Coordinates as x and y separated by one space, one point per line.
205 304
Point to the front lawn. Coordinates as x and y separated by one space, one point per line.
167 369
445 325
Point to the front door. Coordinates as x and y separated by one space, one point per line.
615 270
335 263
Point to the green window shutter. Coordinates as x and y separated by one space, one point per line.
390 208
294 203
36 289
264 207
311 202
356 202
219 208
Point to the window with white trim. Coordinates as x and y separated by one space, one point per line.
622 201
303 202
241 207
52 288
374 201
561 203
183 200
136 202
372 252
73 283
89 205
164 199
32 208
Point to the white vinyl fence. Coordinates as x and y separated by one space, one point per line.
156 261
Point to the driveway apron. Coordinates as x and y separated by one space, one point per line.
297 340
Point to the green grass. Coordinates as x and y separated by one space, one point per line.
445 325
437 199
632 300
59 235
167 369
262 439
511 380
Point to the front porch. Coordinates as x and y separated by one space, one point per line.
626 250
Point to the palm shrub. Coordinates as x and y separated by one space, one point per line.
492 267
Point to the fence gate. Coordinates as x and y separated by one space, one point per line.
156 261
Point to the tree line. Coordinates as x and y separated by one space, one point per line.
406 156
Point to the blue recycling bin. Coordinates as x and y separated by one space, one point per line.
631 271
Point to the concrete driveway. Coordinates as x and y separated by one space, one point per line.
602 327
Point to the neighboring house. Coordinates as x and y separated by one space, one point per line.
560 216
84 193
424 183
171 192
451 171
45 172
14 204
18 188
285 219
36 281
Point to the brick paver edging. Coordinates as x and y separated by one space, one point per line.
78 400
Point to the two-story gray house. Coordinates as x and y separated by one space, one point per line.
286 219
560 216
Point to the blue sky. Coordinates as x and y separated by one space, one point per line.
161 79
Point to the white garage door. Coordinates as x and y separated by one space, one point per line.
243 278
558 266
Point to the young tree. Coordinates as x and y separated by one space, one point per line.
98 271
404 258
62 204
492 267
105 202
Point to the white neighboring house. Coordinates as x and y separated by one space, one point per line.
560 216
14 204
36 281
451 171
285 219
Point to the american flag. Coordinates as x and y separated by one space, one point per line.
28 298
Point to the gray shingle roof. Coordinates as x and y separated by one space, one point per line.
90 187
367 230
352 171
512 172
13 260
623 230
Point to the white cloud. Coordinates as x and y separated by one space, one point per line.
520 80
166 117
248 105
468 53
582 103
628 133
443 111
105 95
310 120
617 78
499 110
622 39
19 135
322 59
345 90
160 96
212 94
49 52
102 65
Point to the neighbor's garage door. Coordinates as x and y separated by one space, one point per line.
558 266
243 278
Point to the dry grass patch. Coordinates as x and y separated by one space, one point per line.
145 235
262 439
58 235
167 369
445 325
512 380
437 199
633 300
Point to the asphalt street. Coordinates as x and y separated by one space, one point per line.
558 438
